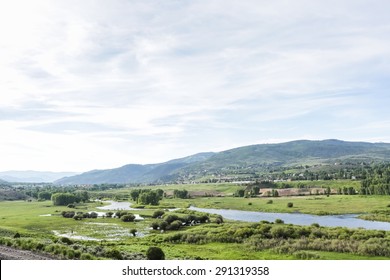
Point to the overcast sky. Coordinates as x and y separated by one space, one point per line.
99 84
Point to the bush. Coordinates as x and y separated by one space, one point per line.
68 214
154 225
119 214
158 214
133 231
171 218
290 205
66 240
175 225
279 221
86 256
270 201
128 218
163 225
155 253
114 254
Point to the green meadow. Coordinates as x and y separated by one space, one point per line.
40 226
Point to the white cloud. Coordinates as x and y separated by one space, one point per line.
146 81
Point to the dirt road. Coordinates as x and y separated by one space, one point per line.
9 253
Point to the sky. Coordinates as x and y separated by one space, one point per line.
99 84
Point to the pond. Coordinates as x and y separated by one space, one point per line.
347 220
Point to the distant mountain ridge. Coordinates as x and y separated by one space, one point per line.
135 173
254 157
33 176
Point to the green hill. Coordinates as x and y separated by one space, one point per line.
242 160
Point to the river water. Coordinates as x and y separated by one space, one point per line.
346 220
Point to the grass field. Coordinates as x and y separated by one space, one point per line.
41 220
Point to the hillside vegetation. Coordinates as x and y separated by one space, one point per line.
245 163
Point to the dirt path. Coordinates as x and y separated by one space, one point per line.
8 253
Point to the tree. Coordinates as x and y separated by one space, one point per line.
82 196
149 198
134 194
63 199
155 253
239 193
44 195
180 194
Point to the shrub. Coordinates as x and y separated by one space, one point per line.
219 220
303 255
290 205
114 254
133 231
93 215
119 214
128 218
155 253
175 225
68 214
279 221
66 240
154 225
170 218
270 201
86 256
78 217
158 214
163 225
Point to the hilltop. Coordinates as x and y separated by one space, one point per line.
247 161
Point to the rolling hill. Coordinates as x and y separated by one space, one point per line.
135 173
252 158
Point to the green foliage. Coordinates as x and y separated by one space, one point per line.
279 221
155 253
149 198
134 194
180 194
44 195
377 181
175 225
290 204
240 193
128 218
158 214
63 199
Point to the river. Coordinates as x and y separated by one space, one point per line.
346 220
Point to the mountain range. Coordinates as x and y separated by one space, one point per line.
31 176
247 159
